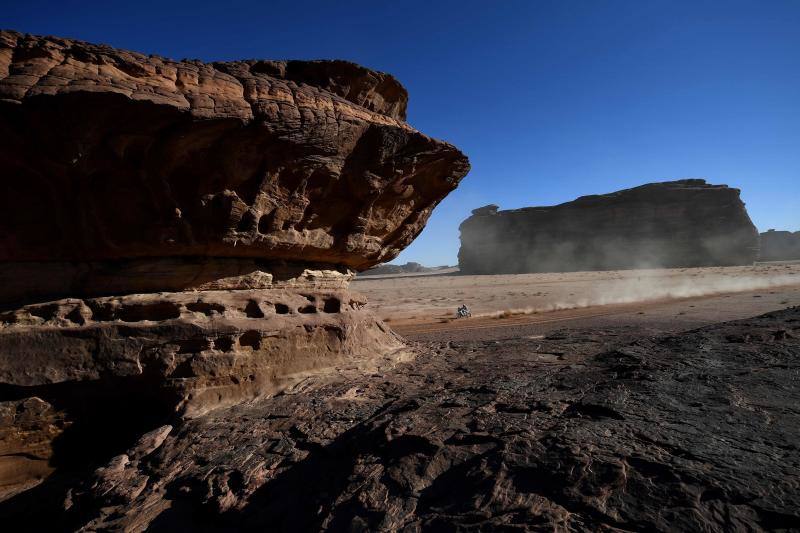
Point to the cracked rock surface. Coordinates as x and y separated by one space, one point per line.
581 430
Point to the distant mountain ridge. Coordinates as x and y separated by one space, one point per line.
408 268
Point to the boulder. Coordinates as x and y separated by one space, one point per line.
685 223
114 158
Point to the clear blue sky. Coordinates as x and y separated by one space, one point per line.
550 99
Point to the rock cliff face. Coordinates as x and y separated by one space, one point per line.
181 235
114 157
682 223
779 246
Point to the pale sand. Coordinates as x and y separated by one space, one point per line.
418 304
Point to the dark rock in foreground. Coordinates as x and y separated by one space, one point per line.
686 223
779 246
585 431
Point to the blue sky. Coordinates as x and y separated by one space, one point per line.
550 99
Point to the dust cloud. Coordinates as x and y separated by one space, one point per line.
651 286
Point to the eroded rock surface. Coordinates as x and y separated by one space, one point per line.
686 223
581 430
177 237
110 155
28 428
197 350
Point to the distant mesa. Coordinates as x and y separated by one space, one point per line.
780 245
408 268
684 223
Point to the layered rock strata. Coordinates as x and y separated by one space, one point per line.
779 245
685 223
181 235
112 156
200 349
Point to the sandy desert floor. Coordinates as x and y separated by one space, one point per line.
422 307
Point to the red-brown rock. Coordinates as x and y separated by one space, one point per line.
111 156
176 237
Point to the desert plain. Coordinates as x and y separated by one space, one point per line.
422 306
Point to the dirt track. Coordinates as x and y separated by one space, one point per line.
421 308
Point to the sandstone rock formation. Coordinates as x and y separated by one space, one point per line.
181 235
684 223
113 159
779 246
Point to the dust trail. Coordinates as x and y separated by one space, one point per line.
649 287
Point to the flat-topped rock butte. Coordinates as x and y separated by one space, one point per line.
181 234
684 223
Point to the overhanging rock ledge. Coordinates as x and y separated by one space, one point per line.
181 234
